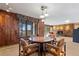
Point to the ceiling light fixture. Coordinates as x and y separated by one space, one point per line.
46 15
42 16
44 12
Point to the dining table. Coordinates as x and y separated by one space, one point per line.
41 42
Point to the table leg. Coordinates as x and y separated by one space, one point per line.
44 49
40 49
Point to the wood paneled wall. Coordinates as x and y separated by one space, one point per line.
8 28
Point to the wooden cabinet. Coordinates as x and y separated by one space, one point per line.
2 34
8 28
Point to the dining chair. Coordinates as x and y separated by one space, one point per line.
56 50
27 49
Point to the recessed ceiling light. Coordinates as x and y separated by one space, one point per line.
67 21
8 10
7 3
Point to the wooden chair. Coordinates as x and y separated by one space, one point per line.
56 50
27 49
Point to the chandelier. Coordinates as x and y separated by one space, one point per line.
44 12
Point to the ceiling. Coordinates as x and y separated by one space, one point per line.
58 12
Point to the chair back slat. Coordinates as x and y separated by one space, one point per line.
23 42
60 43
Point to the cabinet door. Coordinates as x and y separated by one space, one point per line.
2 30
14 30
7 29
29 28
0 36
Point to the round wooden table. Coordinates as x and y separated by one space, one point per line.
41 41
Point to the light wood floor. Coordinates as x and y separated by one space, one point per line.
12 50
